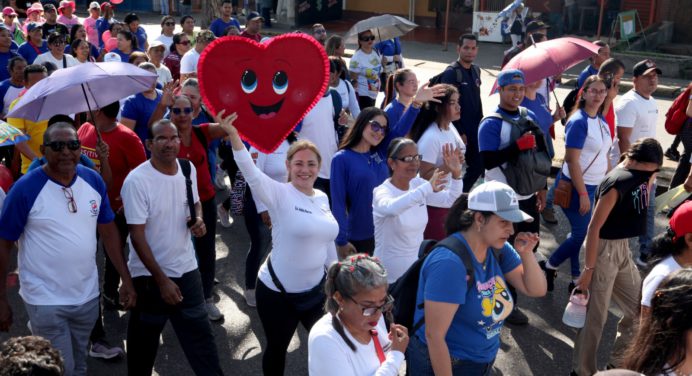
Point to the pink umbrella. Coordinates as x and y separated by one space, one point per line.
550 58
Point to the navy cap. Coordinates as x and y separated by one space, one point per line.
509 77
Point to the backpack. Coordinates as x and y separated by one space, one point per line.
676 115
570 100
437 79
528 173
337 104
405 289
186 170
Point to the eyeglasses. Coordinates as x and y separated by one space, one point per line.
164 141
178 111
169 23
597 92
58 43
58 146
369 311
410 158
377 127
71 203
367 39
184 42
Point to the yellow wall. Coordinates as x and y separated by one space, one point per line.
398 7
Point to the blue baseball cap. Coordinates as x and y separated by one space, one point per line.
33 25
509 77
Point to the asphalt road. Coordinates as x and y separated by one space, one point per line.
542 348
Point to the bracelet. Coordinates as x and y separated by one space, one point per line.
581 194
586 268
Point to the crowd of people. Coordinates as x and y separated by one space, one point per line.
336 215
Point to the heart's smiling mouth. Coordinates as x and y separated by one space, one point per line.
267 112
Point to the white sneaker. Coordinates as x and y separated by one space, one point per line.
220 179
224 216
212 310
250 298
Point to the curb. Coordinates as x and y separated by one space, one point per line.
625 86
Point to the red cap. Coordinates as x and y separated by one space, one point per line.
681 221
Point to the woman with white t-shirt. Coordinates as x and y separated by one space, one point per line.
365 67
663 346
167 29
399 203
289 285
338 81
352 339
432 130
587 144
673 250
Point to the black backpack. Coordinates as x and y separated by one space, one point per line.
338 105
528 173
437 79
405 289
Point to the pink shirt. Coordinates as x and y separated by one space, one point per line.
92 32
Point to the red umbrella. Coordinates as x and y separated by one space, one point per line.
550 58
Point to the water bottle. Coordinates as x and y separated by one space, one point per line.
575 312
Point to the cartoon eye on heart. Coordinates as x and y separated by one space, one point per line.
271 85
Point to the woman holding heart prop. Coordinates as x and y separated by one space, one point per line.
290 282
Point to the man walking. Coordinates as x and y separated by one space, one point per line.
465 75
636 113
53 212
162 258
219 25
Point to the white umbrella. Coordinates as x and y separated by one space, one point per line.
383 27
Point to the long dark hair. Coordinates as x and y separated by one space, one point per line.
176 40
73 31
339 65
398 78
431 112
355 133
662 337
645 150
131 37
665 245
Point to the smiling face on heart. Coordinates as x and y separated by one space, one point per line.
271 85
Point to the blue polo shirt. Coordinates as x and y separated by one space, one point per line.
218 26
29 52
139 108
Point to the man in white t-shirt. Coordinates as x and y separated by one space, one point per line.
636 115
162 258
53 213
56 53
188 64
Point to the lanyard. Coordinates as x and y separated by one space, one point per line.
378 347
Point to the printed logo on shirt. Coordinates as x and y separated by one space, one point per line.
306 211
640 198
496 304
94 208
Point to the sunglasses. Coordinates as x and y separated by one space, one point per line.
410 158
178 111
369 311
184 42
366 39
169 23
11 15
377 127
58 146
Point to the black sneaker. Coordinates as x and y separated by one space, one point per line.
550 275
517 317
570 288
672 154
642 260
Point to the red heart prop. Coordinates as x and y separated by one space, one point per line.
271 86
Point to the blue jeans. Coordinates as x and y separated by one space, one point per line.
551 193
646 239
164 7
418 362
67 327
579 224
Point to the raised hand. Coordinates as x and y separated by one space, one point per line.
438 180
429 94
453 158
226 122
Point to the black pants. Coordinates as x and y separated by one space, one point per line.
364 246
279 321
365 101
189 320
259 240
528 206
205 248
474 167
323 185
228 164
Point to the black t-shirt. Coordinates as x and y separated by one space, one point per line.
60 28
628 217
469 100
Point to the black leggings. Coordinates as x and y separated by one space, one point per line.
279 321
365 101
259 240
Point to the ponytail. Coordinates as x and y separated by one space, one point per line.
389 92
666 244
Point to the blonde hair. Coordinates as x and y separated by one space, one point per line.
302 145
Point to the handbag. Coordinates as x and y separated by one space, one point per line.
238 194
301 301
563 191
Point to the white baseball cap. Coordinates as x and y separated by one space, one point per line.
499 198
111 56
94 5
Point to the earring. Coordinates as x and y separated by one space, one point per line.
479 228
